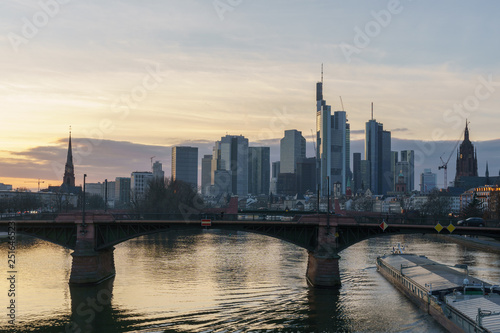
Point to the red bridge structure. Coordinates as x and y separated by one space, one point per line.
92 236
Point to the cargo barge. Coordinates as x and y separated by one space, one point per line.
459 302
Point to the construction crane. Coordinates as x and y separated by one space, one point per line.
151 158
341 103
444 165
39 182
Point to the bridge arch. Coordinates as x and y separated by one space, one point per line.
110 234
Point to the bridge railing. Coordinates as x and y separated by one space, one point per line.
28 216
173 217
428 220
405 220
265 216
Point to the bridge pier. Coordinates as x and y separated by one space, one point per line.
323 263
323 271
89 265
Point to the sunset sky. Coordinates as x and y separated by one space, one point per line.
133 78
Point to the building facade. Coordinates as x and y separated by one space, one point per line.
122 191
356 172
139 183
275 171
487 195
259 170
378 153
157 169
365 175
306 175
408 157
185 165
206 170
405 167
428 181
231 154
292 149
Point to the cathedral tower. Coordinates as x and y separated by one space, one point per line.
466 158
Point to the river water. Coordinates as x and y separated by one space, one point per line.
217 281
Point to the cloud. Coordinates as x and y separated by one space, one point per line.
108 159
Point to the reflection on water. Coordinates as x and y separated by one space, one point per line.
91 307
220 281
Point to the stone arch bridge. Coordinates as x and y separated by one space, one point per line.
93 238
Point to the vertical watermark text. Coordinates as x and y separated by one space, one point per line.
11 273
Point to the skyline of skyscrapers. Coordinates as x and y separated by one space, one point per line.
243 170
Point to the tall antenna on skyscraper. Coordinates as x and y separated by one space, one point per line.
321 73
372 110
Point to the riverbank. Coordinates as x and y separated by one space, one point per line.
481 243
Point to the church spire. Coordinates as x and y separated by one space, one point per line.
466 133
69 170
69 159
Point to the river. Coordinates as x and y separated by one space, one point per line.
217 281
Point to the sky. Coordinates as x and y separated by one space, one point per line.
134 78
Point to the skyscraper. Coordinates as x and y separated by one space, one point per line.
378 153
408 156
206 170
428 181
340 152
231 154
394 172
158 170
404 167
292 149
259 170
332 145
323 139
185 165
356 166
275 171
69 169
306 175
